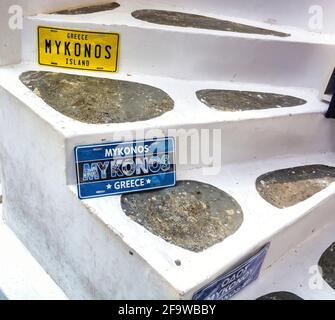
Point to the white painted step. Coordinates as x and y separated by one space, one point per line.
297 271
262 223
85 244
21 277
293 272
91 248
285 12
274 132
97 240
197 54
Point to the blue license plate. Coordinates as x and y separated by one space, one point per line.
229 284
122 167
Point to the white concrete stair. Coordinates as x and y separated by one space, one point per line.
297 271
90 248
82 233
21 277
199 54
262 224
275 132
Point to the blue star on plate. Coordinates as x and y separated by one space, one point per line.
109 186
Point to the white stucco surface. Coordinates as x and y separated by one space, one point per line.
90 248
21 277
301 60
297 271
73 239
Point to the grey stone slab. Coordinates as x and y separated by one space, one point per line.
98 100
181 19
89 9
327 265
281 295
287 187
192 215
232 100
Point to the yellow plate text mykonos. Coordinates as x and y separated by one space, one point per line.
76 49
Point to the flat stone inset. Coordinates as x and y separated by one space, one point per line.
327 264
287 187
233 100
181 19
98 100
89 9
192 215
281 295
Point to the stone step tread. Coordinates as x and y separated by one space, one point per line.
169 101
174 255
179 19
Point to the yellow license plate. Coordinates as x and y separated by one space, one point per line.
76 49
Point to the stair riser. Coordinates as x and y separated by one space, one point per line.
311 223
228 142
203 145
205 56
286 13
271 11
